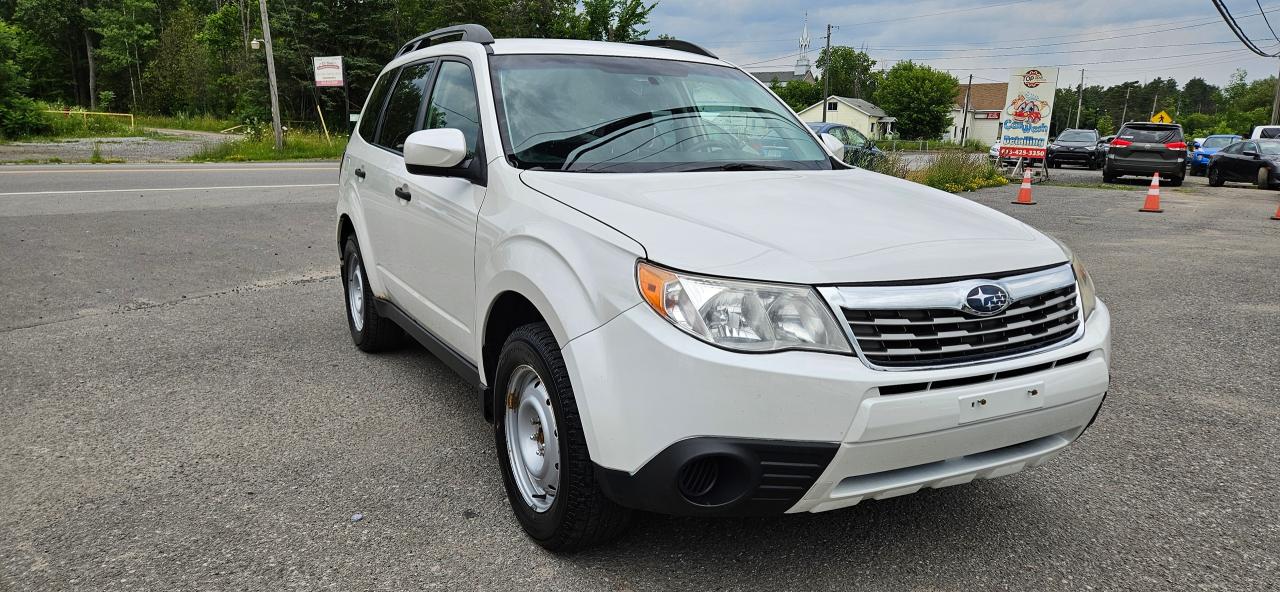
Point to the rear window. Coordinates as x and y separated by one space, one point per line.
1150 134
1269 132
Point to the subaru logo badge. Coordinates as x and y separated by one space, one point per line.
986 300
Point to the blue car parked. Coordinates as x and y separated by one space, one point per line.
858 150
1199 161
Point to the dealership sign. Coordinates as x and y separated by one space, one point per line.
328 70
1024 131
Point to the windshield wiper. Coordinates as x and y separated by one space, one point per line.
734 166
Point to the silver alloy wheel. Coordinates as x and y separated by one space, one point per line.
533 443
355 295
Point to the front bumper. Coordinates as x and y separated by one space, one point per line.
647 389
1072 156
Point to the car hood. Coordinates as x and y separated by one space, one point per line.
1075 144
809 227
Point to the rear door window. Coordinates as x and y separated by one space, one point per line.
1151 135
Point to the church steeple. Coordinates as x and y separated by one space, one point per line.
802 62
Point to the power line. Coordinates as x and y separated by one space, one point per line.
1268 21
1235 28
939 13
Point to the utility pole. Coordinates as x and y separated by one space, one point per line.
1275 105
964 126
271 76
1153 103
1080 98
1125 112
826 79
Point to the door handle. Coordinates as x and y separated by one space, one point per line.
403 193
360 173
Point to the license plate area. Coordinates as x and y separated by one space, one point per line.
1001 402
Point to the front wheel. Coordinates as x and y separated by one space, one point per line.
1264 178
370 331
1215 177
546 468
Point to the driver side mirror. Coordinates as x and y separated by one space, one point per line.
435 148
834 146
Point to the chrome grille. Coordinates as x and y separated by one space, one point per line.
906 327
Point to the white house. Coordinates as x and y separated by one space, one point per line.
855 113
986 104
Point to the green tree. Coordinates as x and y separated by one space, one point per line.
920 97
848 71
179 74
127 35
612 20
798 94
19 115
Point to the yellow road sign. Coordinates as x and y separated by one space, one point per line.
1161 117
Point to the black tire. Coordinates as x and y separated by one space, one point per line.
1215 177
1108 176
1195 170
1264 178
581 515
1174 182
1093 166
373 333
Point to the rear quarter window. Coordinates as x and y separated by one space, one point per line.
1151 135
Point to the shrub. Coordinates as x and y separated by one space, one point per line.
21 117
949 171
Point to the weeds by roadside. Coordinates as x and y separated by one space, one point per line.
297 146
949 171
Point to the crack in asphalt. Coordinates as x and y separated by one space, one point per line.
297 280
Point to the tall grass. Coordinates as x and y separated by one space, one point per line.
297 146
969 145
949 171
184 121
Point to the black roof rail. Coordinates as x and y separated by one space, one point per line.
677 45
476 33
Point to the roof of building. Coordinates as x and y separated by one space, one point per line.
782 76
864 106
986 96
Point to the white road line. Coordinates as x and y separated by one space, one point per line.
146 189
168 170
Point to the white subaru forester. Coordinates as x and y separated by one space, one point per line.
671 296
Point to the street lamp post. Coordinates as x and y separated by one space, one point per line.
271 75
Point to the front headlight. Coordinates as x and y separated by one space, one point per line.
741 315
1088 297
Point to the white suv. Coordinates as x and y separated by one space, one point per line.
671 296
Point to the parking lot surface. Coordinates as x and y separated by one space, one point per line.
183 409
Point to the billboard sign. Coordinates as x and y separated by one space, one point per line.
1028 106
328 70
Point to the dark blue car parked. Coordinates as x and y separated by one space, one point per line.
858 150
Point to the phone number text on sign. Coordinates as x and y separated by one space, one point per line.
1020 152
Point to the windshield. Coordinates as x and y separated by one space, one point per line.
1269 147
1078 136
1217 141
615 114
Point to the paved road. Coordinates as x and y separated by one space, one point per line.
183 410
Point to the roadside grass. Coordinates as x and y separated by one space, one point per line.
77 124
297 146
183 121
953 172
931 146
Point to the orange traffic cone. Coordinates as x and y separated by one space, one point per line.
1024 194
1153 196
1277 216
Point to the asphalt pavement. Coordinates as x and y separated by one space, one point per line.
183 409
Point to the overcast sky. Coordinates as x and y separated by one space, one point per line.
1136 40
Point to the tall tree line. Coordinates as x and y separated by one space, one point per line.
1200 107
196 56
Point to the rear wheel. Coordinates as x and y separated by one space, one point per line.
1215 177
1175 182
1108 176
546 468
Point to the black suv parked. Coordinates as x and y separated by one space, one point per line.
1075 146
1143 149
